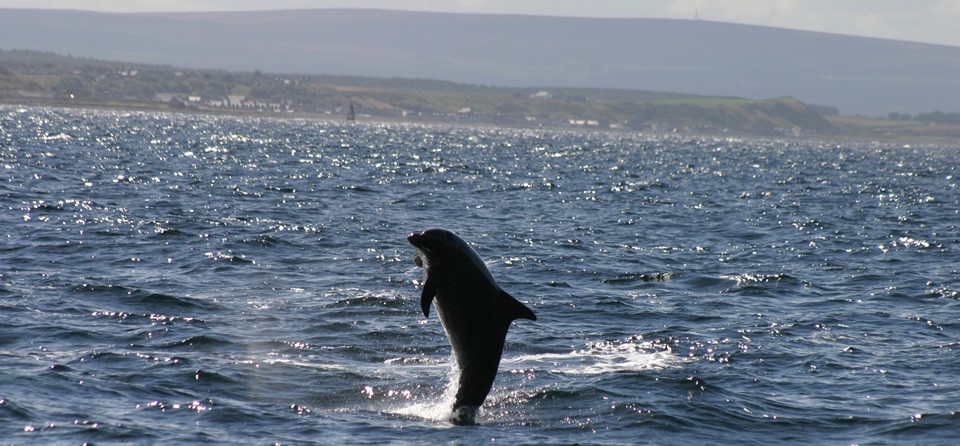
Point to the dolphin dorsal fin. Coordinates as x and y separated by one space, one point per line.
512 308
429 292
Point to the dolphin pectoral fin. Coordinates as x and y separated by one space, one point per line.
512 308
429 291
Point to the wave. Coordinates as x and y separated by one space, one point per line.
630 278
597 358
203 342
603 357
136 296
429 408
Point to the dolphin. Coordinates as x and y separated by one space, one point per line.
474 311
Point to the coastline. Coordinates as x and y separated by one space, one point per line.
866 130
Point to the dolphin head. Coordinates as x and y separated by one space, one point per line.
440 251
435 246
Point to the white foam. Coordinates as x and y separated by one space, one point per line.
425 410
597 358
432 408
602 357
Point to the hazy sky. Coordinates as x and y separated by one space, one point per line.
931 21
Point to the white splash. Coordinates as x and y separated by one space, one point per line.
597 358
432 409
602 357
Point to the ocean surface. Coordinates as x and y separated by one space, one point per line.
184 279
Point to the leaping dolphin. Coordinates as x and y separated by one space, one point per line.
474 311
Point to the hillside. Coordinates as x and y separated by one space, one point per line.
27 76
857 75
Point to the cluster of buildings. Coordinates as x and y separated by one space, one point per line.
233 102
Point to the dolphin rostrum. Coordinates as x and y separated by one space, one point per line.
474 312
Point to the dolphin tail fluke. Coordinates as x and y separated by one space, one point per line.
514 309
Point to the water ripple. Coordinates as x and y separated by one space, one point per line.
233 280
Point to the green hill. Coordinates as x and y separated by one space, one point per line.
855 74
34 77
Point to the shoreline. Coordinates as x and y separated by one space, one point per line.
138 106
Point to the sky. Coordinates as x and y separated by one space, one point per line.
929 21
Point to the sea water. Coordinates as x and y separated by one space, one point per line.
180 279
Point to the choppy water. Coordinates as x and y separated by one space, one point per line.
190 278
